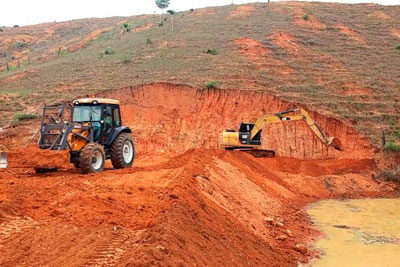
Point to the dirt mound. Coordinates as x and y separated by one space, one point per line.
174 118
352 34
307 19
203 207
34 157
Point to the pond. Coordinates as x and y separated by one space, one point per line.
361 232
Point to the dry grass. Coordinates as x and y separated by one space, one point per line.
331 72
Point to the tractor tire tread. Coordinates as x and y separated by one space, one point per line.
85 157
116 151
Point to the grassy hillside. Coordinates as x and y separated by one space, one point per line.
335 58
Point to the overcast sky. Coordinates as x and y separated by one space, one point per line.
26 12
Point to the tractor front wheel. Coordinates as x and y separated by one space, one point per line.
122 151
91 158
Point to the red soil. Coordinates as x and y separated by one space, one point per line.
188 118
263 57
352 34
145 27
379 15
305 56
241 11
395 33
185 201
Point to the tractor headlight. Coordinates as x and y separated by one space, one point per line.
94 102
76 102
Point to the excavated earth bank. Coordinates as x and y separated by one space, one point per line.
174 118
186 202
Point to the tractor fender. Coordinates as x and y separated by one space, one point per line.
116 132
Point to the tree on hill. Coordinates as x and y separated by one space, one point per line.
162 4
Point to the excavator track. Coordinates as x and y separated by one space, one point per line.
260 153
257 153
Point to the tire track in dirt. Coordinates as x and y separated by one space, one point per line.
15 225
111 252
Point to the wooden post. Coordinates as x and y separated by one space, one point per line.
383 138
18 63
8 67
59 51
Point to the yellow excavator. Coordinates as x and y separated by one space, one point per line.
248 138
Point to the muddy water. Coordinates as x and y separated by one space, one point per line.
363 232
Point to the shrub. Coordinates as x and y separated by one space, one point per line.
148 41
25 117
15 26
390 175
397 133
126 27
1 29
398 46
212 51
306 17
126 59
211 84
109 51
391 147
161 24
22 45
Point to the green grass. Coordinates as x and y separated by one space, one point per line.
211 84
398 46
25 117
391 147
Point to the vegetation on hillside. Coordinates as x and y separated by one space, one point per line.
333 62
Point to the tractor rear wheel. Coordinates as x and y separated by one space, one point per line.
122 151
91 158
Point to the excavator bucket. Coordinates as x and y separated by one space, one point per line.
336 144
3 157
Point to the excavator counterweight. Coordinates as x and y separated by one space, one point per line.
248 138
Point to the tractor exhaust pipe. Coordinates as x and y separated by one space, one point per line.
3 157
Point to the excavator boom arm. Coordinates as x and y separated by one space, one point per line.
280 117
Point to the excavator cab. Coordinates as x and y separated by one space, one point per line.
244 135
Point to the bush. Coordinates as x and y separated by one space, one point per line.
391 147
306 17
126 59
22 45
1 29
25 117
212 51
398 46
126 27
389 175
148 41
15 26
211 84
109 51
161 24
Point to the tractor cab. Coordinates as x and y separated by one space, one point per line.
101 114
